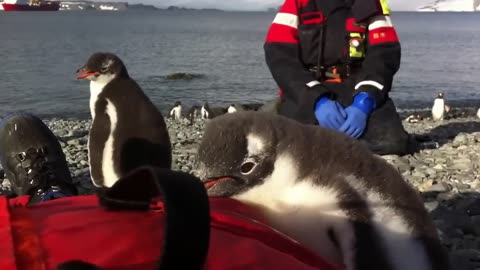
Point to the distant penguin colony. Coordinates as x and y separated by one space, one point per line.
127 129
207 112
321 188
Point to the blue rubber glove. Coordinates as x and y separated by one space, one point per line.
357 115
329 113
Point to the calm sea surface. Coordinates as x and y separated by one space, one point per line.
40 52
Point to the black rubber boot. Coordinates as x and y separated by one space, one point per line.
33 159
385 134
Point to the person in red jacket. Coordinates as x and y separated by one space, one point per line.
334 62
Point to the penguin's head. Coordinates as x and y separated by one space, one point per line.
237 152
440 95
102 67
177 104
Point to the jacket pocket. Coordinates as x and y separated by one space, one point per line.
309 34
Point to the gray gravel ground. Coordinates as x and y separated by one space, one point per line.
447 177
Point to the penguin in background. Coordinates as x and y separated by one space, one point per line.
252 106
232 108
272 106
193 113
439 108
176 111
205 112
322 189
208 112
127 131
414 118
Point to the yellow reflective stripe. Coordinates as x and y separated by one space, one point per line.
385 8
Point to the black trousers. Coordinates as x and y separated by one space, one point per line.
384 135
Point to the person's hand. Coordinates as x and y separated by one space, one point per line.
357 115
329 113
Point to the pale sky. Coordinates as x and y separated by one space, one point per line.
259 4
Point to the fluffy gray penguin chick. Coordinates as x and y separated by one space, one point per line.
321 188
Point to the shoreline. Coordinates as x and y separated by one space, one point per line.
459 109
448 178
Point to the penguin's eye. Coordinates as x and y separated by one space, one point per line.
247 167
104 69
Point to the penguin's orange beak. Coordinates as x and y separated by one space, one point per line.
85 73
212 182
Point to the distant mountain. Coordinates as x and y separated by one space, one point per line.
142 7
451 5
175 8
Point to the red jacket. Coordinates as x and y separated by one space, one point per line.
341 29
41 236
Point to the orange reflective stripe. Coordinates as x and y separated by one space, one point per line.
336 80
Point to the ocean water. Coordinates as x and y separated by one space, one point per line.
41 51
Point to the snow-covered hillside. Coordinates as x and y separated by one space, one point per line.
451 5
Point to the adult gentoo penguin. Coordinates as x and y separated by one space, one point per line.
193 113
207 112
438 108
323 189
232 108
176 111
127 129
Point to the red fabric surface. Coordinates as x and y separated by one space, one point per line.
43 235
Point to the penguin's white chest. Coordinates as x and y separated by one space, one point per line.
478 113
204 113
307 212
96 87
301 210
110 175
438 109
95 90
108 162
231 109
176 112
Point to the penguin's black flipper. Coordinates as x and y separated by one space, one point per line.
139 152
187 214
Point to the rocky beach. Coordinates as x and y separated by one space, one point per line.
447 177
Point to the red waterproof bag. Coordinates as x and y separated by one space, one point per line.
44 235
